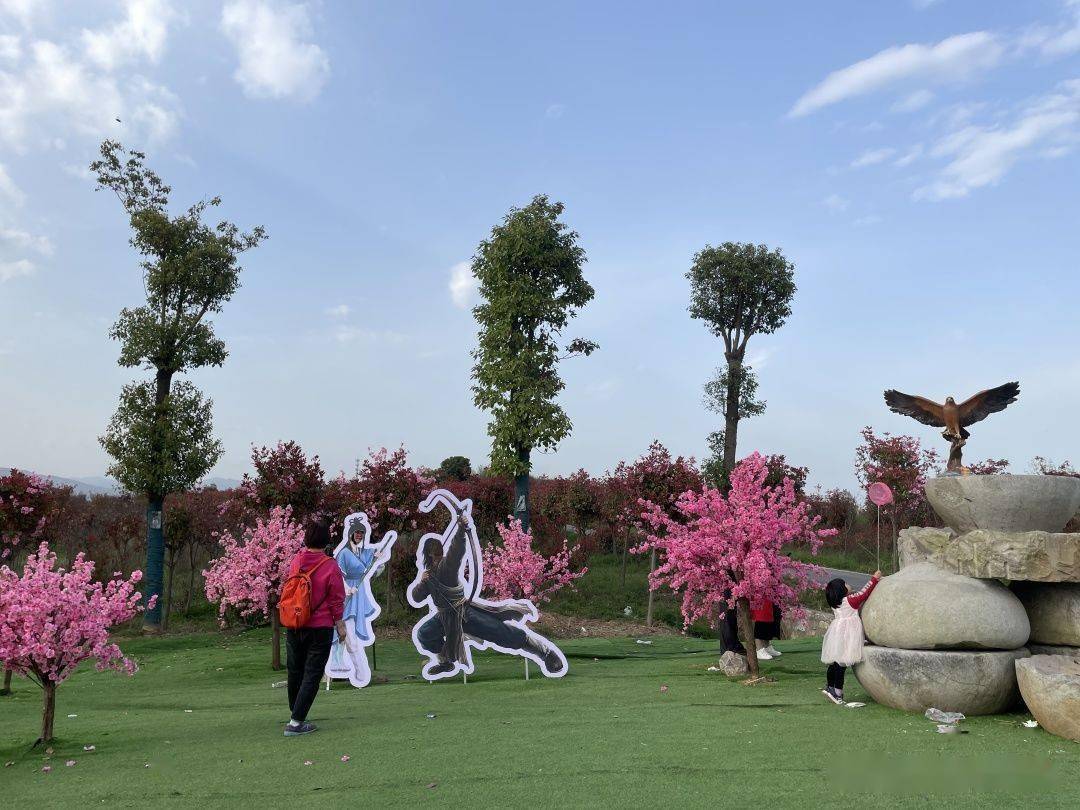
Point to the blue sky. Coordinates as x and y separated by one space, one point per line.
917 161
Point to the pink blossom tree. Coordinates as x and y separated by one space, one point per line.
248 576
514 570
52 619
722 553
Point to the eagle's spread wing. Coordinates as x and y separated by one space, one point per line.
926 411
984 403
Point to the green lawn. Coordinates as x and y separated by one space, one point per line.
200 726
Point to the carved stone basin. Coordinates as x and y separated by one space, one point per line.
1005 503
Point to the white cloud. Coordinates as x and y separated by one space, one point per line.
913 101
54 91
981 156
140 35
555 111
9 189
22 240
869 219
1058 40
10 47
951 60
276 60
15 269
22 10
340 311
836 203
910 156
872 157
463 285
350 334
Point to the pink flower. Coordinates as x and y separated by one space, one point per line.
345 757
716 550
52 619
515 571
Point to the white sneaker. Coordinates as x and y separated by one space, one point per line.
771 650
838 700
763 654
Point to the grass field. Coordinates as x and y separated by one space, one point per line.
200 726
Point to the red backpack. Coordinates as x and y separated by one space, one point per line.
294 606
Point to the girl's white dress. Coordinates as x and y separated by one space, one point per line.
843 642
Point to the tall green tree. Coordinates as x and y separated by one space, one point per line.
530 279
739 290
161 436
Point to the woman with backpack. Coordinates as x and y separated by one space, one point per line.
311 605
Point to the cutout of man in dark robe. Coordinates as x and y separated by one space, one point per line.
448 579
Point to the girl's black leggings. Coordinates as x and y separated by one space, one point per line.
834 675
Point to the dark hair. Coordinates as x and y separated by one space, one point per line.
317 534
431 545
835 592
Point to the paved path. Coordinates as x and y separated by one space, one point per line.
854 579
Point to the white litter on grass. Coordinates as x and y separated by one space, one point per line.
279 684
948 728
72 715
1031 724
946 718
643 641
188 711
854 705
713 669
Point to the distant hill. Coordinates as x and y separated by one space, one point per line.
103 485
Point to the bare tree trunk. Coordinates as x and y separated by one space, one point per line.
625 554
7 683
648 607
731 415
170 568
275 640
746 634
48 711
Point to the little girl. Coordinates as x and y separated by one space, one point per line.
843 642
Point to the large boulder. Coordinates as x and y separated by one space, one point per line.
985 554
925 608
1050 685
1053 610
1004 503
1051 649
950 680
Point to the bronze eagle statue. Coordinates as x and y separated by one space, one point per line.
952 416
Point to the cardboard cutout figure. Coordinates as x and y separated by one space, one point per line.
359 561
449 579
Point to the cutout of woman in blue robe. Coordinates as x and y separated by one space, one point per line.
359 561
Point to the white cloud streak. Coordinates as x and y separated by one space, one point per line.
981 156
463 285
951 60
871 157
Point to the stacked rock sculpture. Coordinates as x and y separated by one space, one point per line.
945 631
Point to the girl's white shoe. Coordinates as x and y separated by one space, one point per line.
771 650
763 654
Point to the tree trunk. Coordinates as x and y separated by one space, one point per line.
7 683
625 556
746 634
521 491
648 606
170 569
731 416
155 563
48 711
191 587
275 640
155 515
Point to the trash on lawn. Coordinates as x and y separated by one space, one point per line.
72 715
89 747
946 718
1031 724
663 687
279 684
854 705
713 669
643 641
431 715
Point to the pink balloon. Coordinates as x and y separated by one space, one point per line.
880 494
